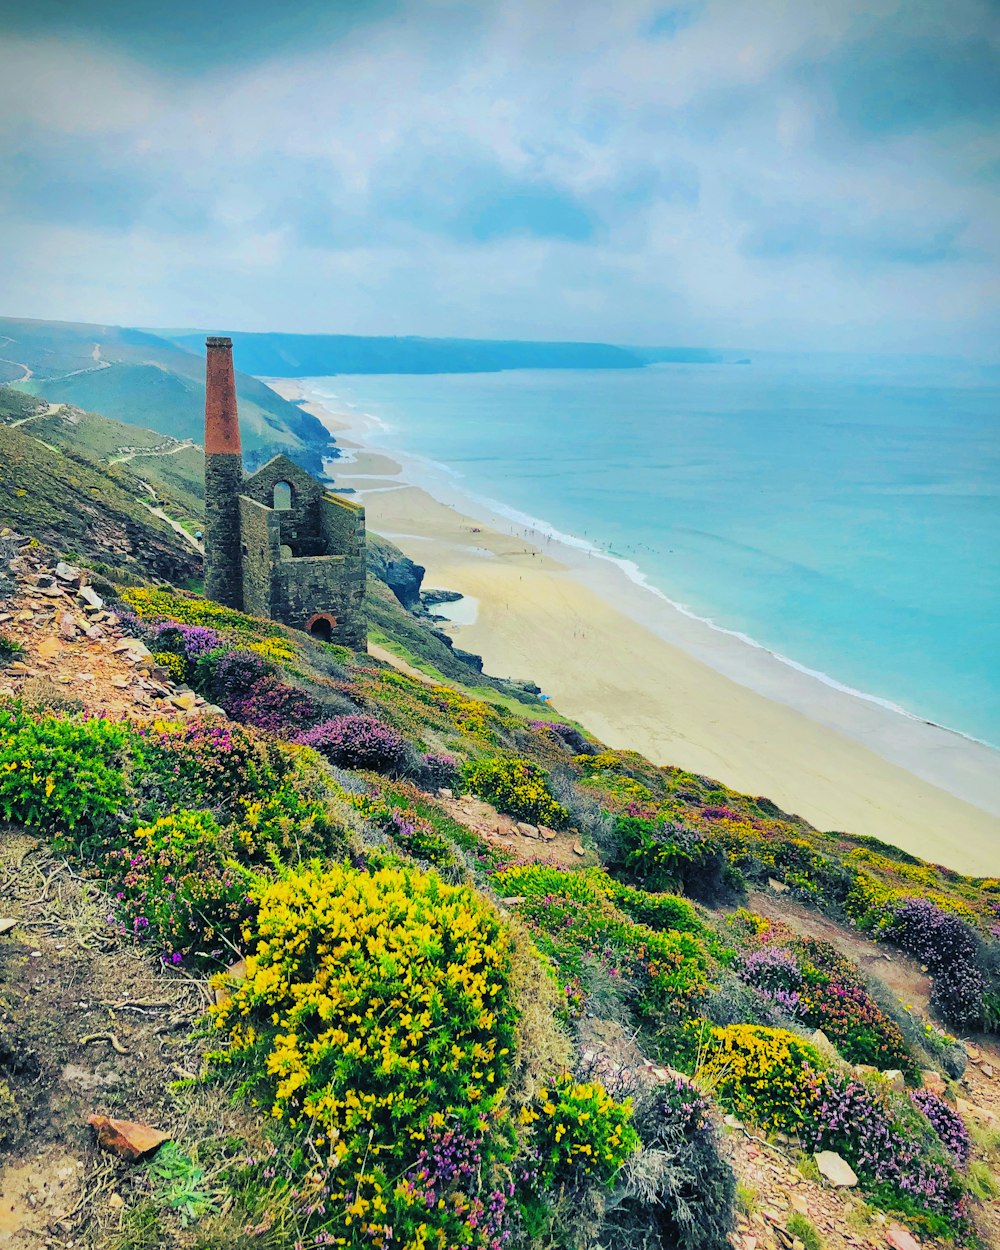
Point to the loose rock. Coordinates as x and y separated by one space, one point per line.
125 1138
835 1170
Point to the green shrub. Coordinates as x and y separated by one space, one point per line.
10 649
63 776
574 921
515 786
662 855
179 884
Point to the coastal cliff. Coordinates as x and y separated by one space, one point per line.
354 921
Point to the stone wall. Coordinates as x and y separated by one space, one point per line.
320 586
261 553
325 574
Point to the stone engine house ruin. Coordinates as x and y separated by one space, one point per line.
278 543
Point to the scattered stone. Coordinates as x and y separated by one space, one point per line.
120 683
864 1069
91 598
932 1081
895 1078
44 580
987 1070
445 793
835 1170
899 1239
547 835
125 1138
49 648
115 1202
976 1112
94 633
133 647
777 886
186 702
513 900
67 626
67 573
53 592
526 830
578 849
732 1121
7 923
973 1051
20 669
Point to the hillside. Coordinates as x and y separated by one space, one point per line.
81 509
400 958
305 355
144 380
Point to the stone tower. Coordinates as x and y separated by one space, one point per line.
223 478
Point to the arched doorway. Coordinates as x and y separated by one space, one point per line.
282 497
321 626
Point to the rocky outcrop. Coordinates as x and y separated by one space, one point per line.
398 571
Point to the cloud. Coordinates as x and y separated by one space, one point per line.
724 172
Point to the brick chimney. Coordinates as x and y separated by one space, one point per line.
223 478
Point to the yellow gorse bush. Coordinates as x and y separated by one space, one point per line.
766 1076
580 1130
280 650
375 1009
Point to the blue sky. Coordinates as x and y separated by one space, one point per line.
751 173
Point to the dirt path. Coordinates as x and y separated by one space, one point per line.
903 976
174 525
49 411
134 453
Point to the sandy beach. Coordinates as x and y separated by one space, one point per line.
639 674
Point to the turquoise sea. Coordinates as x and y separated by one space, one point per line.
842 512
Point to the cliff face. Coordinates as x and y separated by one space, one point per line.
400 574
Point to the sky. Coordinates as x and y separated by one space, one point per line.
816 174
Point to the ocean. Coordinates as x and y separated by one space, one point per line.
841 512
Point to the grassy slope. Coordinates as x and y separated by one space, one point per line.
83 511
150 382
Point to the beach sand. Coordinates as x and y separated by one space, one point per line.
578 627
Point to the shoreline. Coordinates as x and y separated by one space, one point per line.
643 672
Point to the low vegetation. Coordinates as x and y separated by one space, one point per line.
397 999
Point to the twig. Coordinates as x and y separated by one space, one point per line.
104 1037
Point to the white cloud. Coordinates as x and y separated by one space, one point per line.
324 190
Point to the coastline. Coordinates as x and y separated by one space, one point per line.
641 672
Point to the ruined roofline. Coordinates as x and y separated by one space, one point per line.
216 340
342 502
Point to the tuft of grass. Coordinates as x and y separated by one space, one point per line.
806 1165
982 1181
984 1138
860 1218
140 1229
746 1199
799 1226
